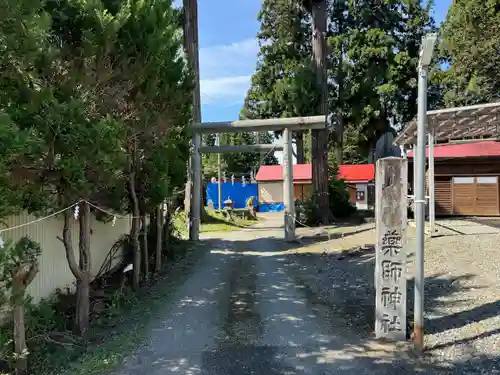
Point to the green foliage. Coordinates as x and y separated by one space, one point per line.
338 195
18 267
373 49
102 71
17 257
148 49
469 46
374 55
23 36
87 88
284 83
340 207
306 212
239 163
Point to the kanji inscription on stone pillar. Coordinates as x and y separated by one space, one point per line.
390 268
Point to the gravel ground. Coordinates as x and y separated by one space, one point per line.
256 305
462 269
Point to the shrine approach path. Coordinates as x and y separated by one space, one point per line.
245 311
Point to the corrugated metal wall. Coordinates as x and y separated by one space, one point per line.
54 271
237 192
271 192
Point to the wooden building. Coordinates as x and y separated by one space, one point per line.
359 179
466 178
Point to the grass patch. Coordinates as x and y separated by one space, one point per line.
215 222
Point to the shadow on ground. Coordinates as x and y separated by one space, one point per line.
340 292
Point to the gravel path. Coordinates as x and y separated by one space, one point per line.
462 305
256 306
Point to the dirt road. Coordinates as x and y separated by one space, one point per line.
243 312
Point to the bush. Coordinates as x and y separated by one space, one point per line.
338 196
307 212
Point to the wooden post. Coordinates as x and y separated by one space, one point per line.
390 268
196 208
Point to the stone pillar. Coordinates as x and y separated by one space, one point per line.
390 268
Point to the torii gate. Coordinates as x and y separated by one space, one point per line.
287 125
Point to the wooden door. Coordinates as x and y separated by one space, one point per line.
476 195
464 195
298 192
486 196
307 191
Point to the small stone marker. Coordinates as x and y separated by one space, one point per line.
390 268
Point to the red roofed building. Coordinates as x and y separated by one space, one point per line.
466 178
270 178
484 149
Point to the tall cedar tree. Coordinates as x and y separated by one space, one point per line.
373 56
374 50
470 45
283 84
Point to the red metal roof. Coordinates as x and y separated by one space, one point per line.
348 173
465 150
357 172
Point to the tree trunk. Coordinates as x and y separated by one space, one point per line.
145 250
82 277
320 137
82 305
340 101
68 246
20 348
134 234
299 143
136 223
166 222
340 139
159 232
83 283
192 53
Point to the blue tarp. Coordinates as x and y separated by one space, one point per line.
237 192
271 207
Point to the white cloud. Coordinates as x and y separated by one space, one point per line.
225 71
225 60
225 90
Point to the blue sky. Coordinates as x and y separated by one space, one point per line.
228 53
